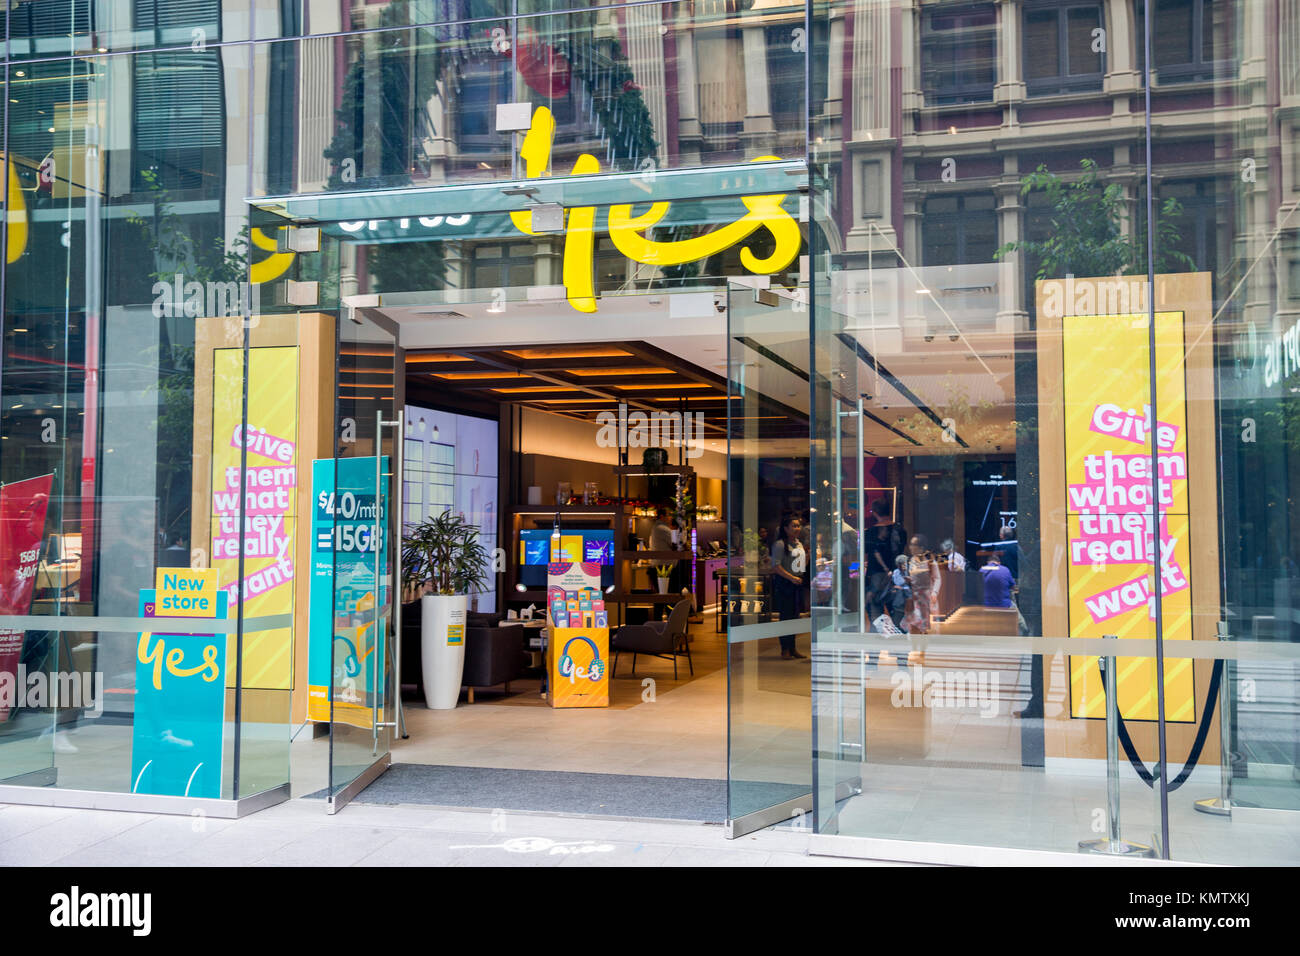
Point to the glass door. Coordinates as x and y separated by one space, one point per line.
362 510
773 565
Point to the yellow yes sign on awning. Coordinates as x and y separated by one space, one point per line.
15 214
628 232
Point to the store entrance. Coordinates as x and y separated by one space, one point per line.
582 425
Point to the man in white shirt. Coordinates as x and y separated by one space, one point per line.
661 535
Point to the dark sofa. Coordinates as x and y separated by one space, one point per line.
493 655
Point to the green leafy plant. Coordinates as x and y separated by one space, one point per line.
445 553
1088 236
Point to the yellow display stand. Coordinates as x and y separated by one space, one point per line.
577 652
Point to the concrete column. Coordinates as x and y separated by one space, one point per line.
1013 314
834 107
1010 86
759 129
690 135
1123 43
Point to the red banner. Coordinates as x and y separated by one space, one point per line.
23 505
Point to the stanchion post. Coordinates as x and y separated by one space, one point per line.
1221 805
1112 844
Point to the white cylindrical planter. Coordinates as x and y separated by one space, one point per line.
663 584
442 648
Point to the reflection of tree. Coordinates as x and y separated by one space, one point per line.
1087 229
169 237
967 420
381 115
616 100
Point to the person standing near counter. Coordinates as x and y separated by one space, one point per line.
883 542
789 566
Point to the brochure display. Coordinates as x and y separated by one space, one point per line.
577 657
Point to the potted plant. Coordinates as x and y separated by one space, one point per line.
662 573
442 561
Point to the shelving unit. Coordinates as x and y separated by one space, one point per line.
618 514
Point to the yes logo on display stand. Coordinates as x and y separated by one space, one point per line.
594 671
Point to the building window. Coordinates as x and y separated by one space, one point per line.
959 230
959 54
481 87
1192 40
1063 48
785 77
503 265
1193 231
178 90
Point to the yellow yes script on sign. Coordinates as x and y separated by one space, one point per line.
628 232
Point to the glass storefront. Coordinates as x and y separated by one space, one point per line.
1002 182
932 228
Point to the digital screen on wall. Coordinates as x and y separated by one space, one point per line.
589 545
990 503
451 465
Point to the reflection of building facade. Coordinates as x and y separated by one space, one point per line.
888 252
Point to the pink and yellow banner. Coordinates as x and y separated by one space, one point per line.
1111 481
267 494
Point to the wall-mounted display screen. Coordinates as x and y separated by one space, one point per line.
451 465
591 545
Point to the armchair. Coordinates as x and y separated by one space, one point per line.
662 639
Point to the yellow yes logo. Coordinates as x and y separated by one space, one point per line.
628 232
274 265
15 215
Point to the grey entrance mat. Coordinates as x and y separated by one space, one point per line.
554 791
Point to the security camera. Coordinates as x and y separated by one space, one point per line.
719 303
953 336
929 337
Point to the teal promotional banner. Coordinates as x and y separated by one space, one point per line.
349 588
180 702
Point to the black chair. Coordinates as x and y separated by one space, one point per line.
662 639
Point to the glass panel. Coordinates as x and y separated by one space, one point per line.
362 688
42 28
126 292
310 17
129 308
767 588
982 352
1234 291
639 88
